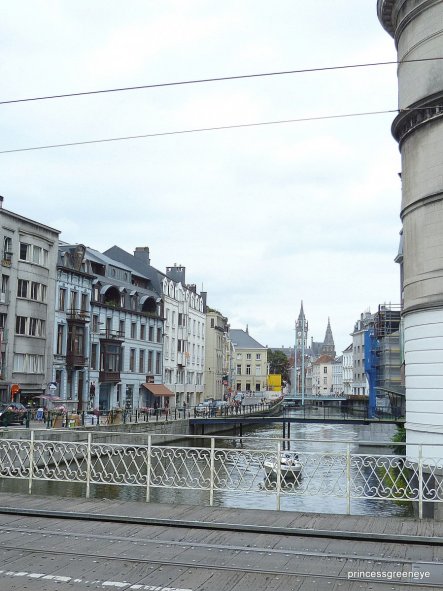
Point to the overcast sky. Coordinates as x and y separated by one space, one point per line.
262 217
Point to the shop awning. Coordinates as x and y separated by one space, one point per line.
158 389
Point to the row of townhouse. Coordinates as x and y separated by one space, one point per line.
103 330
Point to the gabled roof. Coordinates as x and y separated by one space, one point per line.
241 340
323 359
115 253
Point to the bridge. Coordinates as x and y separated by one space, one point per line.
54 544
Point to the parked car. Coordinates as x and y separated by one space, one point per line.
204 408
12 412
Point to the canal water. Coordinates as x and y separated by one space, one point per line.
304 438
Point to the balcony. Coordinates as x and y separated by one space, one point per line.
75 360
78 316
109 376
112 336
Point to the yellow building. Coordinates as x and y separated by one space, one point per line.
251 362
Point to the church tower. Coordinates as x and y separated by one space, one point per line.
328 347
301 329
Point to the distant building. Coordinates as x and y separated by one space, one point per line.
322 371
27 306
360 384
348 370
126 337
218 355
251 362
337 375
71 370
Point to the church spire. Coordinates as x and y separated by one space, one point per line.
328 344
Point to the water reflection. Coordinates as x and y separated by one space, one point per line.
316 479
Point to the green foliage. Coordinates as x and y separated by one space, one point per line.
399 437
279 363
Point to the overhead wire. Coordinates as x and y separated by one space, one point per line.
218 79
198 130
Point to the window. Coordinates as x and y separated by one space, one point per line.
325 381
7 248
238 386
258 356
84 304
20 325
159 335
142 332
238 355
248 355
33 253
94 356
257 387
24 251
121 328
27 363
212 323
22 288
133 330
94 323
248 387
61 298
150 360
258 370
141 361
151 334
35 290
132 360
325 369
60 334
74 299
248 369
239 370
157 363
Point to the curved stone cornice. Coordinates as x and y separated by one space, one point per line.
384 12
416 115
423 201
388 14
422 307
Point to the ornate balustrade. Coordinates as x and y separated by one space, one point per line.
342 472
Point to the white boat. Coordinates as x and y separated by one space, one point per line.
290 466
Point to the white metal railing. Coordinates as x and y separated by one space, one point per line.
342 472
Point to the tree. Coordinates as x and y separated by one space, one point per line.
279 363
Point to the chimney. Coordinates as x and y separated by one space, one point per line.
204 296
142 254
177 273
1 202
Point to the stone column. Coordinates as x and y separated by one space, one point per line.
417 28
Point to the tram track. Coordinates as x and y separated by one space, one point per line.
223 568
297 556
224 526
207 545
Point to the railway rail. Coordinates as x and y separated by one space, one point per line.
163 554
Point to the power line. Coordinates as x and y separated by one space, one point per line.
198 130
221 79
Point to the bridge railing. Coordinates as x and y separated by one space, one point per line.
212 468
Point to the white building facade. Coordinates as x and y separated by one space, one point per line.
27 306
348 370
184 338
